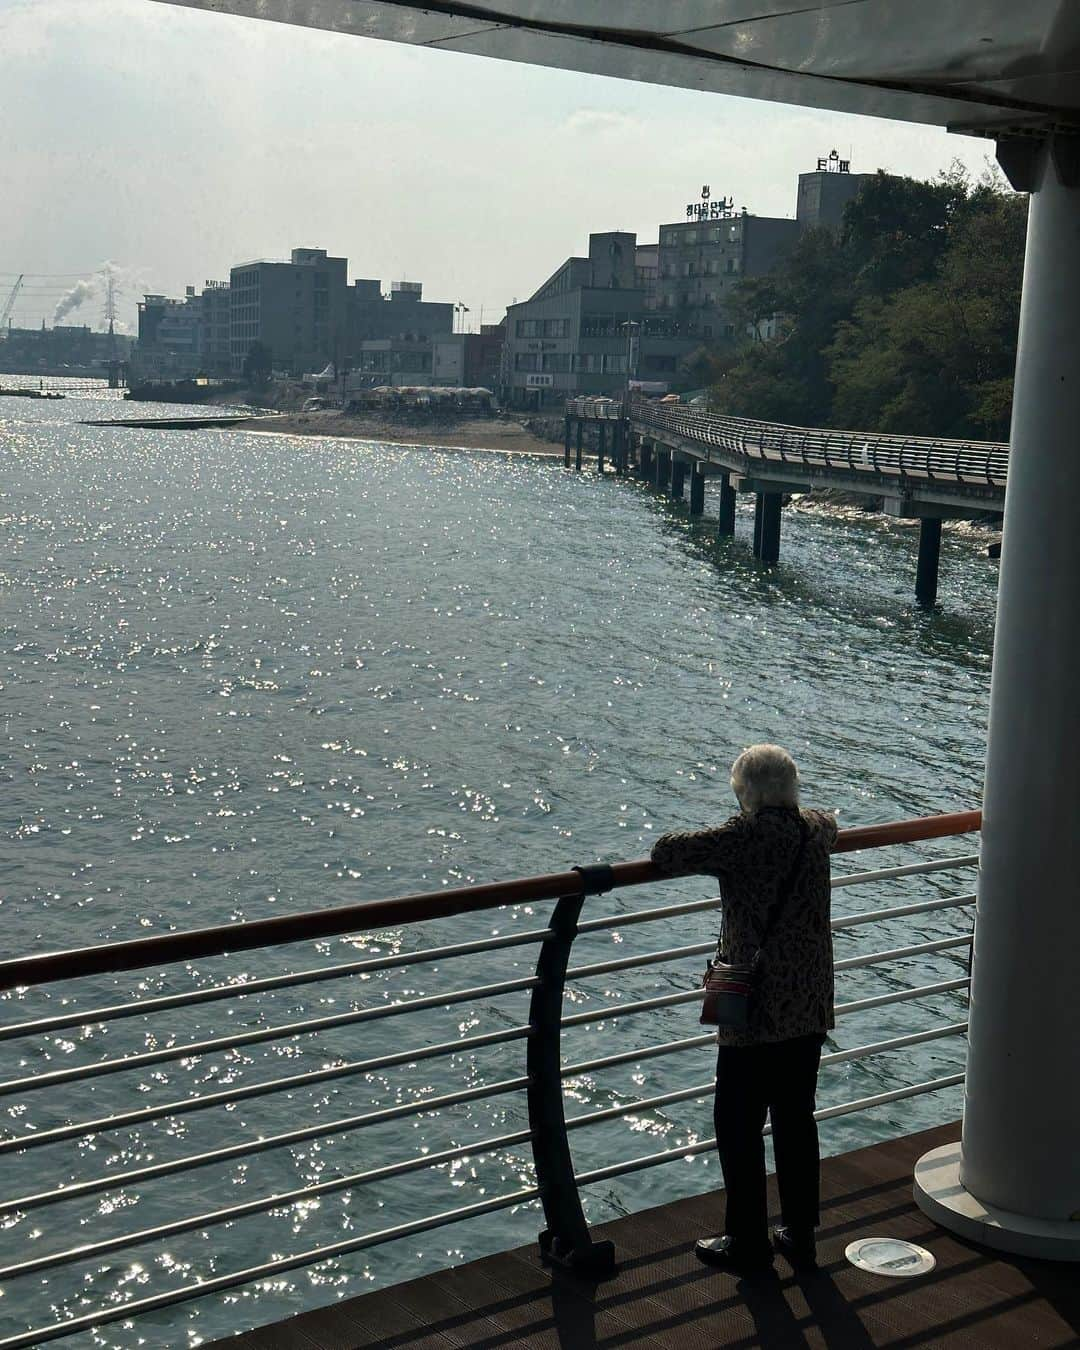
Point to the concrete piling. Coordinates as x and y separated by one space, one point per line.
926 573
726 523
697 493
678 478
767 510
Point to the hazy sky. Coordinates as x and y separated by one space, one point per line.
175 143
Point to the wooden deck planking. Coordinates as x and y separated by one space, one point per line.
662 1298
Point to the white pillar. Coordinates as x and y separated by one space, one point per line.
1019 1167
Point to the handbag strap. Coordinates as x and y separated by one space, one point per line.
787 886
785 889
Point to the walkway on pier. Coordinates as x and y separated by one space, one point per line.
59 384
662 1297
912 478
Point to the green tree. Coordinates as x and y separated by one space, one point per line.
258 364
936 358
786 379
903 320
896 230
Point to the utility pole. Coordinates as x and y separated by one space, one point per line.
5 317
112 362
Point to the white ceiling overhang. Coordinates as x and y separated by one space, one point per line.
988 66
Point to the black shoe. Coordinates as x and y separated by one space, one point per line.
799 1251
726 1253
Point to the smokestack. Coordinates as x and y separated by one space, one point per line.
78 295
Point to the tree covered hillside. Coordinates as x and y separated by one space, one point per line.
904 320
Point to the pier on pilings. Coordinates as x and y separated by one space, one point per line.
580 440
662 468
601 446
567 438
645 459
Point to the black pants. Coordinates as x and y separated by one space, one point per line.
779 1079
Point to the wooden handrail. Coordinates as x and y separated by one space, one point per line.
139 953
907 831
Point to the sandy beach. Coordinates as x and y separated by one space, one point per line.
498 434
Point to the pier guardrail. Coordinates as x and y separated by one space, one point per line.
860 452
36 1121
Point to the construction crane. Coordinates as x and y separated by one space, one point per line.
10 305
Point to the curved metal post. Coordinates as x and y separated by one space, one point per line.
565 1241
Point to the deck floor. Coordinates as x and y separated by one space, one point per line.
663 1297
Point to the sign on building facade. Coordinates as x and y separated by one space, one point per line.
711 208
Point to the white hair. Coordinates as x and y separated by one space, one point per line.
765 775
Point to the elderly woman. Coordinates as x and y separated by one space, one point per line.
772 863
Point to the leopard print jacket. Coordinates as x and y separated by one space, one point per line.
752 857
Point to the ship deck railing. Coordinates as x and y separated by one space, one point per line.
86 988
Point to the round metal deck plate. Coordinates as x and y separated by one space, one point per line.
890 1256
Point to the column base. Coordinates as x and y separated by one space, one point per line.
941 1196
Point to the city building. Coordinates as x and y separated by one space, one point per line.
215 352
169 341
702 260
825 192
182 337
587 330
469 360
297 310
403 314
646 265
388 361
638 310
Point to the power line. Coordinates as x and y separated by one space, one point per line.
51 275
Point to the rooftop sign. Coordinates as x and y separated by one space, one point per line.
832 163
710 208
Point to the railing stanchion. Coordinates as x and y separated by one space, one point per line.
565 1241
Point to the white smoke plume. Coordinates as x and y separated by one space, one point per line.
78 295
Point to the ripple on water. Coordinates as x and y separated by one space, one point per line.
244 675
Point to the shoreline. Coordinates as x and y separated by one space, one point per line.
494 436
512 439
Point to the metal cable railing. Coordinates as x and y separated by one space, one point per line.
978 463
38 1122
